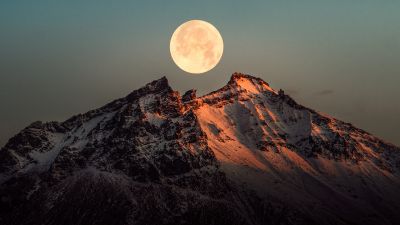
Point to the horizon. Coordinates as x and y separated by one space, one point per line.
202 94
61 59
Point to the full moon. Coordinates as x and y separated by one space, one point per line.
196 46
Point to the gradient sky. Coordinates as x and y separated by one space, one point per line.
60 58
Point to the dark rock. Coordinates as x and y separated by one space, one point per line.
189 95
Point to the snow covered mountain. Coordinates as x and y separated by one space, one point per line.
244 154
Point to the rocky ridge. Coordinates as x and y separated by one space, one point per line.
244 154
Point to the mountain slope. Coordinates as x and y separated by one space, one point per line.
269 143
244 154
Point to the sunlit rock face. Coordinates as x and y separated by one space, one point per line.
244 154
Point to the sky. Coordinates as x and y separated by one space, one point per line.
61 58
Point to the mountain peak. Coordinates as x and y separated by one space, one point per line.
155 87
238 75
159 84
249 82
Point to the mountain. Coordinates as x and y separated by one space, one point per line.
243 154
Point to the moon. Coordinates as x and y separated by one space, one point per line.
196 46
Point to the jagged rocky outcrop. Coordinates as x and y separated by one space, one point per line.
189 95
244 154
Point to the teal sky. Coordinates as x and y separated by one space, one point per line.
60 58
